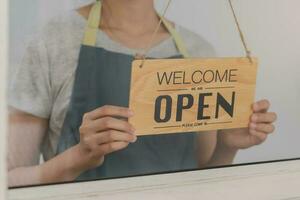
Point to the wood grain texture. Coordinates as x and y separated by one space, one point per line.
173 77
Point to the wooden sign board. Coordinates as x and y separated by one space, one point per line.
191 95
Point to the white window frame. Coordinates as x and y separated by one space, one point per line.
3 67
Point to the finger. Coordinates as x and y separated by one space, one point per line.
258 137
108 148
261 106
265 128
264 117
113 136
108 123
107 110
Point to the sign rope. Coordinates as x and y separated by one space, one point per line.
143 55
247 51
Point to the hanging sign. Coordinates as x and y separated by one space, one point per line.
190 95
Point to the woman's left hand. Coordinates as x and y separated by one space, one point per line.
260 126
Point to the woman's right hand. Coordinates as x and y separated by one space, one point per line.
103 131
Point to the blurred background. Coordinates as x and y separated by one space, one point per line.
272 30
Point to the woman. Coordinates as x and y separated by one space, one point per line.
69 101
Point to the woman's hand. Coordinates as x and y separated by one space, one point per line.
104 131
101 132
260 126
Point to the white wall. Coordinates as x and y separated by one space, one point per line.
272 29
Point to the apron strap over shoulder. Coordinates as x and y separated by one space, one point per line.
90 35
176 37
92 27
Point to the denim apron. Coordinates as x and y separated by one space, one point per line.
103 78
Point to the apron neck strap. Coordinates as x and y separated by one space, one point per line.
92 26
176 37
94 19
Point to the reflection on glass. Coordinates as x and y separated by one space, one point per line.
68 101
